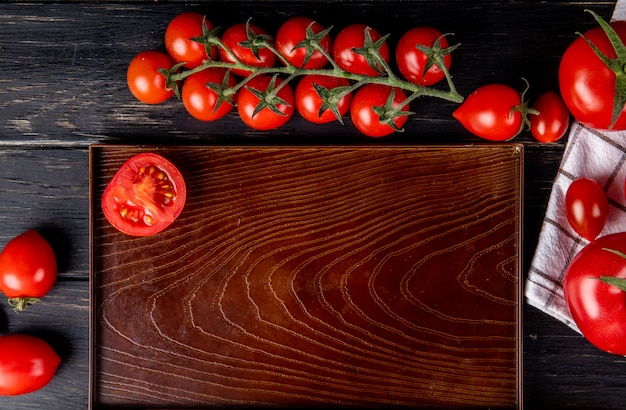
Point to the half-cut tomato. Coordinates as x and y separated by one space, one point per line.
145 196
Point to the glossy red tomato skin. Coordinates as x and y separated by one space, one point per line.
412 62
598 309
552 122
308 102
586 84
291 33
265 119
586 207
144 80
489 113
353 36
236 34
27 363
145 196
28 266
179 43
365 119
200 101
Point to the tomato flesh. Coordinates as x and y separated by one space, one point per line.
145 196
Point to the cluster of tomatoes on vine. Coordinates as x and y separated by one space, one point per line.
245 67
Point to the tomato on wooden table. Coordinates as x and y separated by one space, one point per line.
246 42
145 81
291 43
492 112
417 53
375 112
145 196
260 110
588 85
586 207
28 269
597 306
552 118
309 102
27 363
179 39
350 54
208 103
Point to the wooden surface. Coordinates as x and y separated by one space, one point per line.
62 88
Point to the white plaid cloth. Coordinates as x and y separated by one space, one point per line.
588 154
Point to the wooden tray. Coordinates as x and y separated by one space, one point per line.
312 276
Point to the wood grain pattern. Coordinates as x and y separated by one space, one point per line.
354 276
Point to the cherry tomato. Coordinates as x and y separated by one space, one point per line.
145 196
28 269
362 109
599 308
265 118
145 81
587 85
309 102
552 121
202 101
586 207
27 363
178 39
412 62
490 112
236 39
289 40
351 38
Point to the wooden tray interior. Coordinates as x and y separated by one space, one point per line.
304 276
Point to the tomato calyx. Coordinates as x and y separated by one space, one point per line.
616 65
330 98
387 114
20 304
171 83
206 38
371 52
269 98
619 283
436 54
312 43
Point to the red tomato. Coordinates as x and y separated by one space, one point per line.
353 38
413 62
145 81
178 39
264 118
587 85
490 112
28 269
370 97
586 207
291 43
145 196
599 308
309 102
27 363
247 50
552 121
202 101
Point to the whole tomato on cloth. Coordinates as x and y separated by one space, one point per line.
263 108
355 49
28 269
586 207
146 77
494 112
183 39
593 289
377 110
27 363
422 54
145 196
552 119
293 43
592 79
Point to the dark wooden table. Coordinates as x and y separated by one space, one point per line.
62 88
